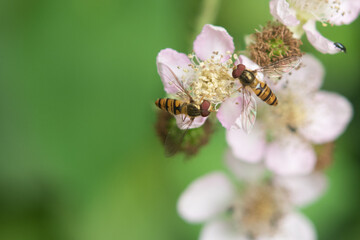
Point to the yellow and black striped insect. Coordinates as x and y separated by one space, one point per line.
177 107
261 89
185 109
251 83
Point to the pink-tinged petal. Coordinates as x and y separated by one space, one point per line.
243 171
307 78
206 197
281 11
177 62
247 147
229 112
213 38
327 117
348 12
303 190
294 226
221 230
250 65
290 156
184 123
321 43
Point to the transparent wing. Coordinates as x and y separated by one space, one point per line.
176 136
248 114
172 80
275 70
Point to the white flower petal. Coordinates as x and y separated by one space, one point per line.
327 117
348 12
303 190
230 111
220 230
294 226
184 123
169 58
248 147
307 78
248 172
213 38
321 43
290 156
281 11
206 197
250 65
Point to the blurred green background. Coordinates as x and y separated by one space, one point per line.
79 157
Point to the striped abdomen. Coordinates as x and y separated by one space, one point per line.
263 91
169 105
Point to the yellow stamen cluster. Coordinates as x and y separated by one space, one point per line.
212 79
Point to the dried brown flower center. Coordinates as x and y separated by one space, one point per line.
274 42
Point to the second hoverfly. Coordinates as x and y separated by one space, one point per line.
250 83
185 108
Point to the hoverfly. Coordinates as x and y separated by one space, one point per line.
186 107
250 83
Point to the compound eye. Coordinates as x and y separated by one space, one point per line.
238 71
204 108
205 113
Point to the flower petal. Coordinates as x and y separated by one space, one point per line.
248 172
248 63
290 156
206 197
321 43
328 117
307 78
229 112
183 124
248 147
294 226
348 11
220 230
303 190
177 62
281 10
213 38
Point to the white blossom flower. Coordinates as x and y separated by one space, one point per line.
283 135
206 74
260 211
301 16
